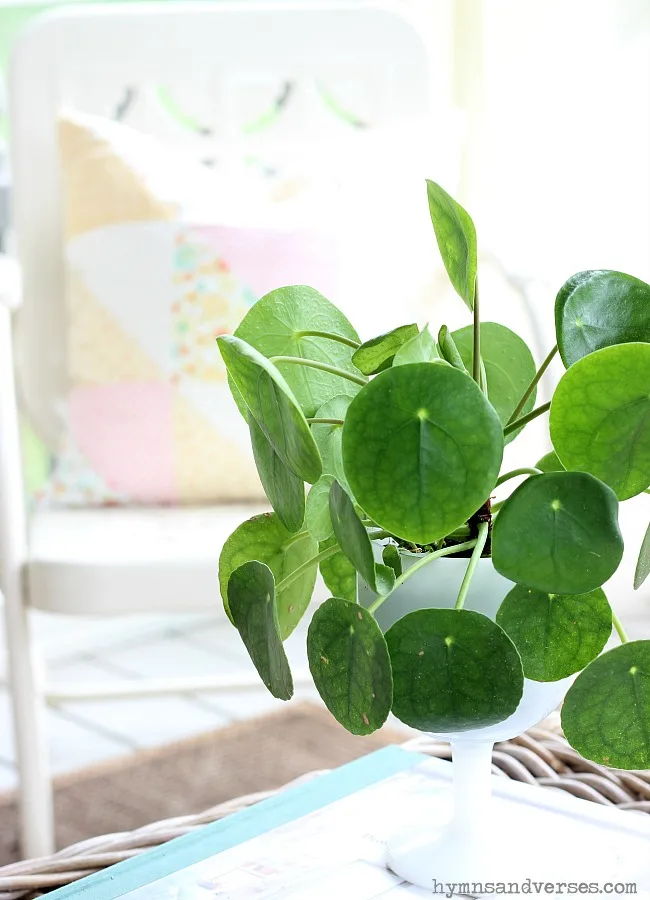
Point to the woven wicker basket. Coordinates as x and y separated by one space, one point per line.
540 756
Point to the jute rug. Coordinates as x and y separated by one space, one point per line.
192 775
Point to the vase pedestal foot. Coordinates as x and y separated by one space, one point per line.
498 840
518 845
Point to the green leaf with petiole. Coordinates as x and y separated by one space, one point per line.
420 348
355 543
558 533
556 634
280 324
377 354
422 448
453 670
449 351
273 406
606 713
265 539
600 308
391 557
456 237
252 602
600 417
285 490
349 662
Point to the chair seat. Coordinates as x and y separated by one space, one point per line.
112 561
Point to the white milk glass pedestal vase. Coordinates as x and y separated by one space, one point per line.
472 846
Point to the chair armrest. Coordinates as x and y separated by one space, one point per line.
10 282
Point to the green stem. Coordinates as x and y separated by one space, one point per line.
325 421
476 362
305 567
483 382
481 540
519 423
618 625
516 473
425 560
324 367
298 536
330 337
495 507
531 387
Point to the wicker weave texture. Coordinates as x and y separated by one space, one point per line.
540 756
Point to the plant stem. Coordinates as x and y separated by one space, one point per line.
531 387
497 506
476 361
330 337
425 560
516 473
298 536
483 381
324 367
481 540
519 423
618 625
325 421
305 567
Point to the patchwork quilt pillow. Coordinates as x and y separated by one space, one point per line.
162 256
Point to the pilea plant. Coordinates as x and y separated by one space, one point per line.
401 440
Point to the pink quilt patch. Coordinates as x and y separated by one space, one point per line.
125 433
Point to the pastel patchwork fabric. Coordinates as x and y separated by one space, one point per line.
158 265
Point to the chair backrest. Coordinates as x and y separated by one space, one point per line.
91 47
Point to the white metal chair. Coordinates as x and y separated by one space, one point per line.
128 560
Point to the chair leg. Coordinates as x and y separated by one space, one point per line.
35 794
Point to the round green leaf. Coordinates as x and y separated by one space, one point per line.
549 463
509 367
349 663
265 539
286 492
643 562
275 326
558 533
251 597
453 669
420 348
338 573
328 437
456 238
606 713
377 354
274 407
422 449
600 417
555 634
317 519
599 308
353 540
